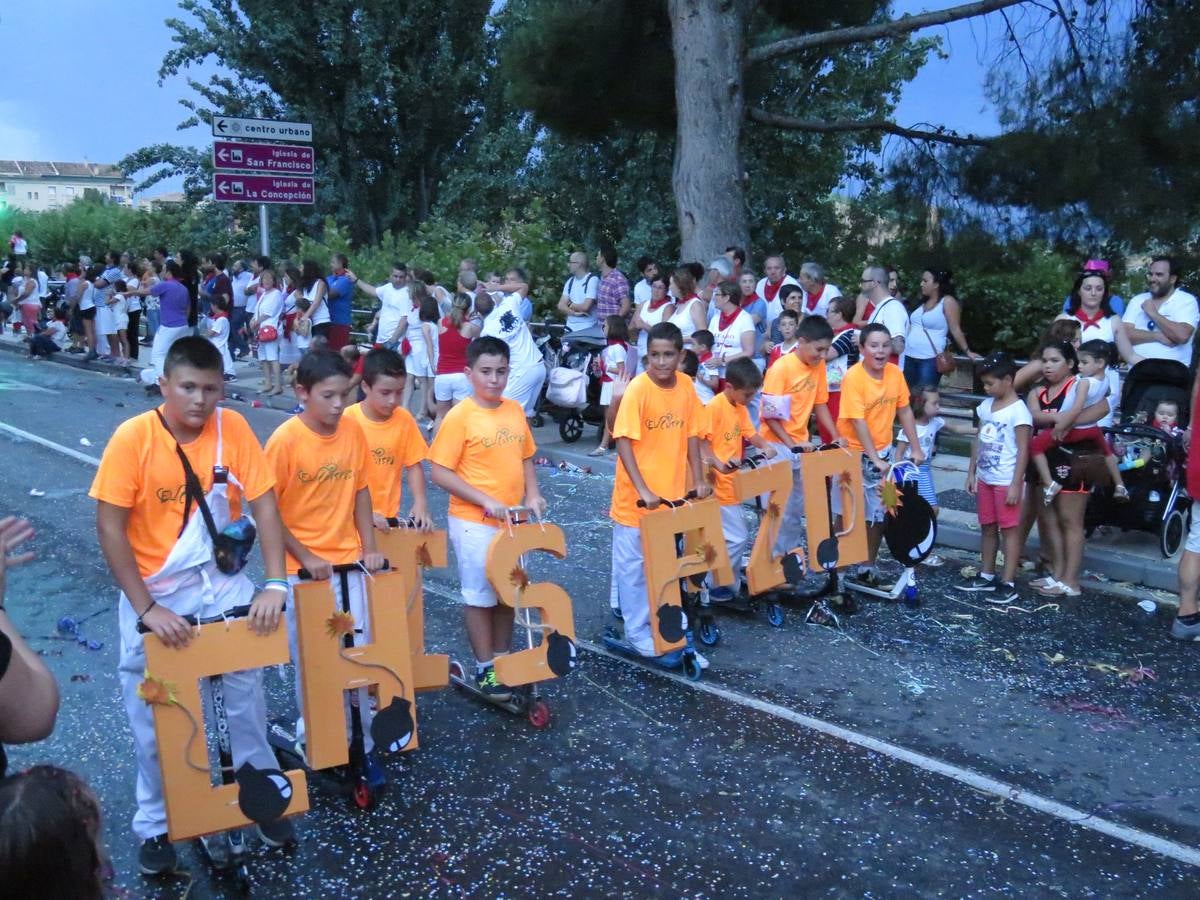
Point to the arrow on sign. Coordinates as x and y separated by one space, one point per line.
222 154
221 125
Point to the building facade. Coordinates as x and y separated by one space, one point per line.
38 186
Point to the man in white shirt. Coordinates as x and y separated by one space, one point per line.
888 311
775 276
578 301
1159 324
395 305
238 319
817 291
526 370
642 290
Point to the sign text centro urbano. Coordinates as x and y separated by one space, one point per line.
231 188
261 129
286 159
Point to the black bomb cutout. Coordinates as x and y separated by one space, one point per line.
560 653
263 794
671 622
912 531
393 726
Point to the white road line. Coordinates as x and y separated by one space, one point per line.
972 779
59 448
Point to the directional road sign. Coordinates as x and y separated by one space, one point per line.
291 159
261 129
231 188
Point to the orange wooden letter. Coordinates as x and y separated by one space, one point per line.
327 669
701 522
194 806
825 472
410 552
555 655
765 570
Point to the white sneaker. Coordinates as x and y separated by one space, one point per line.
702 660
933 561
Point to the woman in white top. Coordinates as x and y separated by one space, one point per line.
289 347
1089 306
312 282
732 327
148 279
658 308
269 314
689 310
133 277
930 326
29 304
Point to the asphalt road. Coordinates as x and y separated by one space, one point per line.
950 750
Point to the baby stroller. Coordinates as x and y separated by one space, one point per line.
572 396
1153 462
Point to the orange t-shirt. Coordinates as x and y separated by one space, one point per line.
487 449
317 479
658 422
140 471
394 445
725 426
873 399
806 385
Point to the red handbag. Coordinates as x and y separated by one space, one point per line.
267 333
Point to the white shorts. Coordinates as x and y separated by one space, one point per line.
451 388
471 541
268 351
873 511
606 391
525 385
1193 538
417 363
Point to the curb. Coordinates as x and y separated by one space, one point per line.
71 360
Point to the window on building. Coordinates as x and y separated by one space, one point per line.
70 191
52 191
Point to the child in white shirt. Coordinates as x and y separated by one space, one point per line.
218 334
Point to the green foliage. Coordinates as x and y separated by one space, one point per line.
94 227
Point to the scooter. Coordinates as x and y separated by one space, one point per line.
289 749
525 700
685 658
227 851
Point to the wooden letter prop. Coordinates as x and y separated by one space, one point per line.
328 670
775 480
844 467
701 523
555 655
194 805
410 552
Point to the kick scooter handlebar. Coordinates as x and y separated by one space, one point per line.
691 495
305 575
238 612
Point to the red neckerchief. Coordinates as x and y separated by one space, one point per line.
704 357
727 319
663 302
813 299
843 328
1088 321
688 299
71 278
747 301
771 291
612 341
218 314
870 308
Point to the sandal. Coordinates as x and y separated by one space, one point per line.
1044 581
599 451
1121 493
1049 493
1052 589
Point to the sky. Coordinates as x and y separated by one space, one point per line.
121 85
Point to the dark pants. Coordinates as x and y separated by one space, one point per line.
135 321
238 320
42 346
921 372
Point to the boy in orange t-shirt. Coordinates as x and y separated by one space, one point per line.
796 386
158 548
394 440
321 464
656 427
483 458
726 424
874 396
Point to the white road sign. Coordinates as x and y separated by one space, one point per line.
261 129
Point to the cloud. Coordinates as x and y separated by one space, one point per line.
17 141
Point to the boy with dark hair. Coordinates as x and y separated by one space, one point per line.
794 390
322 464
726 424
162 559
707 376
656 427
483 458
996 476
874 396
393 438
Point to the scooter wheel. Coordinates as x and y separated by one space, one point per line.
539 714
710 633
362 796
538 420
691 668
775 615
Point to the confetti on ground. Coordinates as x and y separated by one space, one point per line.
85 442
34 492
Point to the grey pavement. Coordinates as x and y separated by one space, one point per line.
644 786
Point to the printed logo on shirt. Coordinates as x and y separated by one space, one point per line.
382 457
668 420
327 472
508 322
734 434
503 437
171 494
884 401
805 385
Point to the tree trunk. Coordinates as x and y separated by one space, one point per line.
708 38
